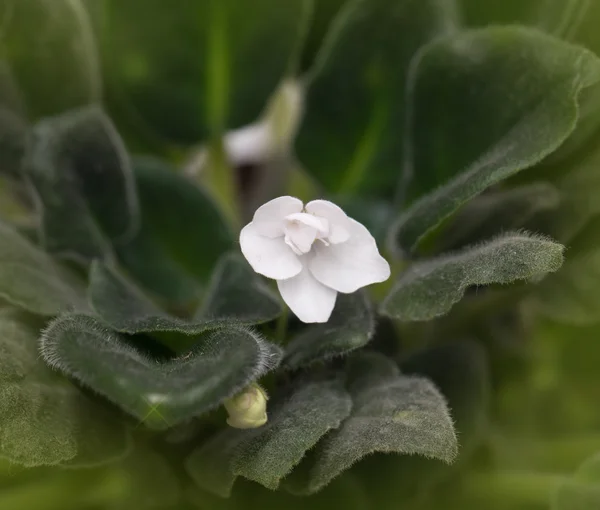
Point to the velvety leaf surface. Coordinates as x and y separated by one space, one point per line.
350 327
59 68
512 92
182 235
351 138
297 420
44 419
391 413
160 393
80 174
200 68
30 279
125 308
430 288
582 490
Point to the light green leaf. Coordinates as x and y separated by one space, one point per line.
159 393
582 491
30 279
351 137
181 238
351 326
391 413
430 288
512 92
44 419
297 420
80 174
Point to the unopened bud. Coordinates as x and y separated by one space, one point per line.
248 409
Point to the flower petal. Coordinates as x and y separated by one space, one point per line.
269 218
339 223
269 257
310 300
348 266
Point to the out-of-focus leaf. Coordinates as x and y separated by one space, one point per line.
44 419
497 211
181 238
391 413
80 174
125 308
430 288
571 295
351 326
582 491
161 394
30 279
351 138
205 66
297 420
511 92
13 124
58 69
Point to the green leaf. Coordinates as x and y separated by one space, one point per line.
391 413
181 238
13 125
497 211
31 280
571 295
350 327
159 393
58 69
582 491
351 137
44 419
80 174
198 69
512 92
125 308
297 420
430 288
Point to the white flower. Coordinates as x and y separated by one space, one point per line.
313 252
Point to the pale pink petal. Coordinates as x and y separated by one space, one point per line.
339 223
269 218
310 300
269 257
348 266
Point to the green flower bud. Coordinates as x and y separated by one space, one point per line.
248 409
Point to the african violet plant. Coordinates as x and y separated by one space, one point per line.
390 167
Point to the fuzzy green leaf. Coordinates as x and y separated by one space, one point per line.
182 235
351 137
159 393
582 491
80 173
512 92
44 419
351 326
30 279
297 420
391 413
430 288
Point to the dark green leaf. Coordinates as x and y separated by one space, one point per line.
44 419
202 67
511 92
430 288
182 236
351 326
297 420
80 174
30 279
161 394
351 137
13 124
582 491
391 413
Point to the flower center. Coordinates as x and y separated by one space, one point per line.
301 230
